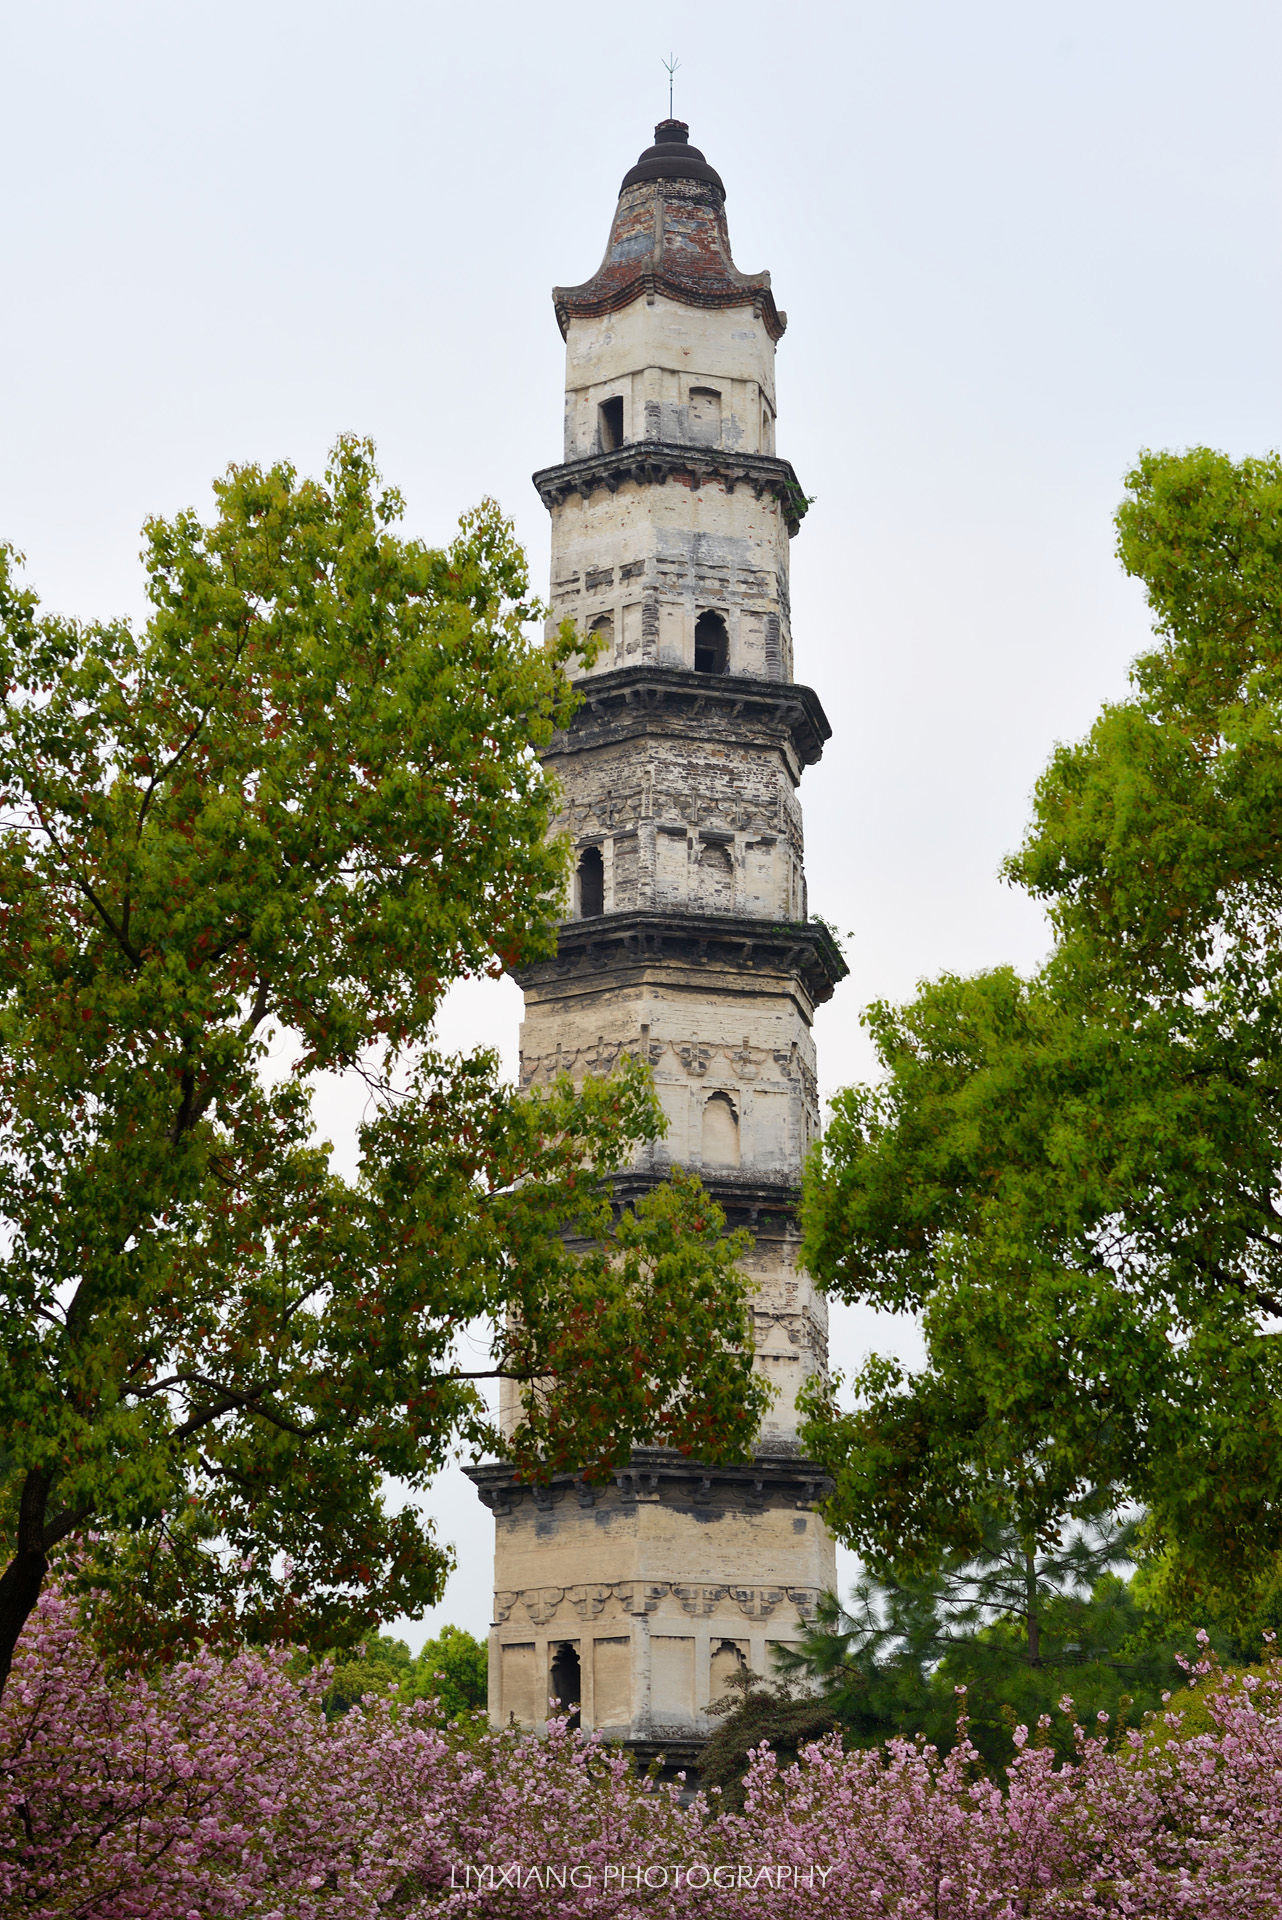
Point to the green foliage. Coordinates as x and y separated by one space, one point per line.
1003 1636
755 1711
450 1670
1189 1713
303 799
453 1669
648 1330
1241 1612
1074 1178
382 1666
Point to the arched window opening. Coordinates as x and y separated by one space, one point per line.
566 1685
590 882
711 643
728 1662
705 416
602 631
720 1132
716 877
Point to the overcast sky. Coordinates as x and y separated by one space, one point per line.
1016 243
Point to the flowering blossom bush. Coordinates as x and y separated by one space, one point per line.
219 1790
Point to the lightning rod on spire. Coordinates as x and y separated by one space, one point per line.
670 66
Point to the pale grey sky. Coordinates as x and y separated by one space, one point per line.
1016 243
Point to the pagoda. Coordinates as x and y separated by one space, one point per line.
687 940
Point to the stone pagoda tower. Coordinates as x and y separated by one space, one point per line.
687 940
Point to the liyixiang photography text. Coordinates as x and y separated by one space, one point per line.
621 1878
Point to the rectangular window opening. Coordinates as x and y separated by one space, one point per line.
611 423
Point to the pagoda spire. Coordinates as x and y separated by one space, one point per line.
669 236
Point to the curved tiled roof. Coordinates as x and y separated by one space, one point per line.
669 237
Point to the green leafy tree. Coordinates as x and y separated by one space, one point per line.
1073 1178
753 1712
453 1669
302 799
1241 1609
1018 1631
382 1666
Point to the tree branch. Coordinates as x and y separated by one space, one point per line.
1267 1302
65 1523
184 1116
230 1401
163 773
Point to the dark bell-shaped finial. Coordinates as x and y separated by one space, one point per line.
672 158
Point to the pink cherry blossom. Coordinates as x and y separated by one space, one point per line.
216 1790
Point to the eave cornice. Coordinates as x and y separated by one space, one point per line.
655 462
629 701
718 942
785 1479
594 300
747 1199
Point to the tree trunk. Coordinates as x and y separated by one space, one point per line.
24 1576
1030 1606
